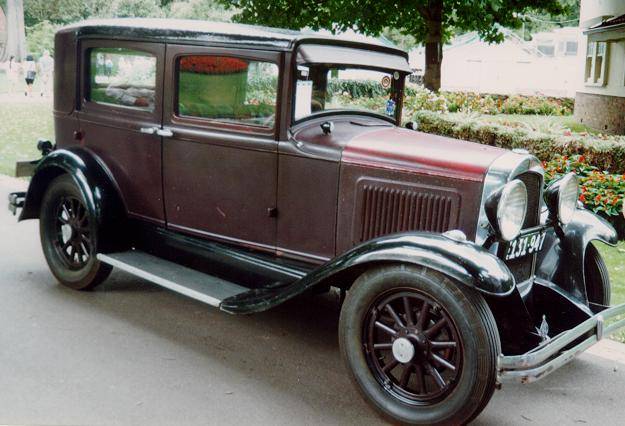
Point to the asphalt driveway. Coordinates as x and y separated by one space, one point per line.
131 353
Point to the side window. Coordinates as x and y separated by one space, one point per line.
227 89
122 77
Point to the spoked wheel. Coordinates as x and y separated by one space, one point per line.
421 348
73 235
69 236
412 346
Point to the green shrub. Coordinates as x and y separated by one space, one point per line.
357 88
605 152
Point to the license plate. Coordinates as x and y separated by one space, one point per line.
525 245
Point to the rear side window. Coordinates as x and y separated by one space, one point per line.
122 77
227 89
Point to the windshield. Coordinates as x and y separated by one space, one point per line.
329 88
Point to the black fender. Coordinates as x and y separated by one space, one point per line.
463 261
562 258
94 181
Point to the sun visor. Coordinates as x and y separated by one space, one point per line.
339 55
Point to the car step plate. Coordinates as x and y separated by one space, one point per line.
175 277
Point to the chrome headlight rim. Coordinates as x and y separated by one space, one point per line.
564 190
497 205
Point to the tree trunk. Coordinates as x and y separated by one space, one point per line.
15 32
434 45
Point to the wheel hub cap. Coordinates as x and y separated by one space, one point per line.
403 350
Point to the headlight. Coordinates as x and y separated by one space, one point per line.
506 209
561 198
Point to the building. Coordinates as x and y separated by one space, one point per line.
600 98
546 65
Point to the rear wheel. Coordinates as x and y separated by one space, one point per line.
69 236
421 348
597 277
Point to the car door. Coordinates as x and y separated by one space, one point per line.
220 161
120 116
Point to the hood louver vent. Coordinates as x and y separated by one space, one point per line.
387 208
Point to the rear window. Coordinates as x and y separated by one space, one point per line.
227 89
122 77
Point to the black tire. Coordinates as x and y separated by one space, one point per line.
69 236
464 391
598 287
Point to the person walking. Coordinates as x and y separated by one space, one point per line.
13 74
46 67
30 72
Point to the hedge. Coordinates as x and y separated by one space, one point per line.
604 152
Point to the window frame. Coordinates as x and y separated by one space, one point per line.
85 104
591 79
399 85
271 57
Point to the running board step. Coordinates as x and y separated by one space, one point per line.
175 277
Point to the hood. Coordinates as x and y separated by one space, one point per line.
407 150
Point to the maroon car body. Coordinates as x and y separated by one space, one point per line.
226 162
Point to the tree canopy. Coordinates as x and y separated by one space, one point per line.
431 22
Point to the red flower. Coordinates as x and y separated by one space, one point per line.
582 198
212 65
581 159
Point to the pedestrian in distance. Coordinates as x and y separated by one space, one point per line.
46 68
13 74
30 73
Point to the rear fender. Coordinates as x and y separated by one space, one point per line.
95 183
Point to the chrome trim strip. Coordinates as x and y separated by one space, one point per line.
548 357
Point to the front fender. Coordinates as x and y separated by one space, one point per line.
562 262
95 183
465 262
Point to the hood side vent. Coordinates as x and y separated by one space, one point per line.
387 207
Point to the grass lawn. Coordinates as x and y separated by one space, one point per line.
615 260
21 124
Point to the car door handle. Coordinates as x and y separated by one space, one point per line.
148 130
165 133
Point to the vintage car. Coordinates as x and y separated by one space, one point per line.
243 166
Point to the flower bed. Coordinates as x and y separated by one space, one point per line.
420 99
600 191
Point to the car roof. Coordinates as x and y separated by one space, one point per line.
220 33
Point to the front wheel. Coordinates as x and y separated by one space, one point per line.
69 236
421 348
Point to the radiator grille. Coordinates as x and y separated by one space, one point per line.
387 210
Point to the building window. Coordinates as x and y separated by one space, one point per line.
570 48
548 50
596 63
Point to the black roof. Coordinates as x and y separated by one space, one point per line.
194 31
607 25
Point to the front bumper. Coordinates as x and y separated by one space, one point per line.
559 350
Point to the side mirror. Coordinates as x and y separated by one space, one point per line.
412 125
327 127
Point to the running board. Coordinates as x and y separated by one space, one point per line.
175 277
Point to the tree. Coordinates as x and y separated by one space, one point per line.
428 21
15 32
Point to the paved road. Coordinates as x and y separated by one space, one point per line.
130 353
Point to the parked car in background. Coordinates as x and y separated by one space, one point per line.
228 163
